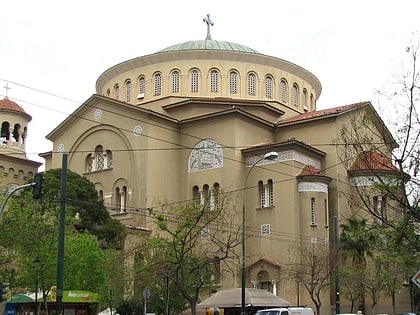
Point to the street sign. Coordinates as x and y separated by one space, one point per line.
416 279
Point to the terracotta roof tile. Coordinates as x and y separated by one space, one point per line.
6 104
310 170
320 113
371 160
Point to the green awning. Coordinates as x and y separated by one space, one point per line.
20 298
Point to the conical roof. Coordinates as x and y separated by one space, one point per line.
7 104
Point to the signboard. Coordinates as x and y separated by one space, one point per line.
416 279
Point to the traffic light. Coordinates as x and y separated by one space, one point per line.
4 290
37 185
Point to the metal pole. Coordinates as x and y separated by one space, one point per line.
337 281
60 256
269 156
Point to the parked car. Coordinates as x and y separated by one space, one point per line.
286 311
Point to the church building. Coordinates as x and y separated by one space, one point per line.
208 116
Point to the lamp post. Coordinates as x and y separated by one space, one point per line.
36 269
269 157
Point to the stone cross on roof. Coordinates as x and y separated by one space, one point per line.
209 23
7 88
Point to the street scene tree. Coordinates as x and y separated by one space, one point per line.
29 232
195 241
387 188
312 268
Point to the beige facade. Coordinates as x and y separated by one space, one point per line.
165 127
15 168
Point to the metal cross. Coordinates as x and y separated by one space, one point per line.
7 88
209 23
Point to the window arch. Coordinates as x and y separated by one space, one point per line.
283 90
266 193
194 75
120 198
128 91
295 95
312 101
99 160
305 100
313 219
158 84
214 81
99 157
117 92
215 197
268 87
108 92
175 81
89 163
142 87
196 195
252 84
233 82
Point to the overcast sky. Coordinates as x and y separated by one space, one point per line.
52 52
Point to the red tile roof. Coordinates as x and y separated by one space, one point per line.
6 104
321 113
374 161
310 170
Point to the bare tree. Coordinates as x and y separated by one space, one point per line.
311 268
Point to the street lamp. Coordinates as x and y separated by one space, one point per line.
269 157
36 269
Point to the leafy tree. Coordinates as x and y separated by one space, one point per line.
196 241
357 242
84 203
30 233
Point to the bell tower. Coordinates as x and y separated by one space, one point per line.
15 167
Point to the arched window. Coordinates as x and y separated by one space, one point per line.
108 158
108 92
117 92
128 91
283 91
252 83
214 81
312 102
123 199
196 195
99 157
142 87
215 197
233 82
117 199
305 100
269 87
313 219
205 197
379 208
175 81
90 163
326 217
295 95
266 193
158 84
194 81
16 133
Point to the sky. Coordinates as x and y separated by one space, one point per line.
52 52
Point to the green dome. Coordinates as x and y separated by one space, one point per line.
209 44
